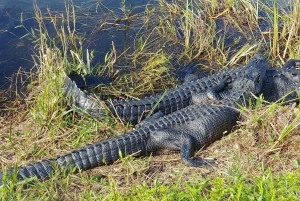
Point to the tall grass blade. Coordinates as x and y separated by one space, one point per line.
288 129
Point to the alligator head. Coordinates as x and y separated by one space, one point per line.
253 76
280 82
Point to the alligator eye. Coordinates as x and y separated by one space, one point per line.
297 64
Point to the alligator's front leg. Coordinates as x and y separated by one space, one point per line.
174 140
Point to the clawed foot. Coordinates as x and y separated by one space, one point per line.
204 162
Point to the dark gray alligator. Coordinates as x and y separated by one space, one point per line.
185 130
135 110
280 82
277 83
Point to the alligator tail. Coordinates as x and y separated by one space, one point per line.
136 110
93 155
82 100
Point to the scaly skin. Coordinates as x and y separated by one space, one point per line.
279 82
184 95
83 100
187 130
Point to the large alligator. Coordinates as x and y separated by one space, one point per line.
135 110
277 83
187 130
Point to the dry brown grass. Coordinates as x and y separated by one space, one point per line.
251 144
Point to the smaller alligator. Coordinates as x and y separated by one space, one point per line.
185 130
135 110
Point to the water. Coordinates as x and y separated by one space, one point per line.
16 51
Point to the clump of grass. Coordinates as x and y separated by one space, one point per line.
288 130
51 64
282 37
289 34
201 30
154 76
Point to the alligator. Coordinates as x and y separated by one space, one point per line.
277 83
135 110
185 130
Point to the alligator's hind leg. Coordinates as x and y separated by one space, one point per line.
211 93
174 140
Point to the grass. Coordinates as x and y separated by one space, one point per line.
259 160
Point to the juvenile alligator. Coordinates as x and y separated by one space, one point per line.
187 130
135 110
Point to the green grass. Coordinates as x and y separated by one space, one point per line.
258 161
236 186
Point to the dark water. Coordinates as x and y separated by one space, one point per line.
16 50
